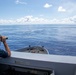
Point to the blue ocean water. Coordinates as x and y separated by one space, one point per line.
57 39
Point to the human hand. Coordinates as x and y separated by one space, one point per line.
2 38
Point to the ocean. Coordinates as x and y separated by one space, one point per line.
57 39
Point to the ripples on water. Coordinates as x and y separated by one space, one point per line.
57 39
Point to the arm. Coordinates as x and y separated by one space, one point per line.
6 45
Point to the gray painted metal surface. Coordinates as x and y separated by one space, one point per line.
62 65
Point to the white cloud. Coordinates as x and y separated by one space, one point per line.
69 20
17 1
39 20
61 9
20 2
71 7
47 5
73 19
2 21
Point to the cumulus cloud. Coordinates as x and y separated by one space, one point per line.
5 22
73 19
61 9
39 20
30 20
69 20
47 5
71 7
20 2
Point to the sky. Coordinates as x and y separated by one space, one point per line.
37 12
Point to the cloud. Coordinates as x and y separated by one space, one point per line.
73 19
61 9
47 5
31 20
20 2
39 20
71 7
2 21
69 20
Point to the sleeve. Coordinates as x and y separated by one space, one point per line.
3 54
